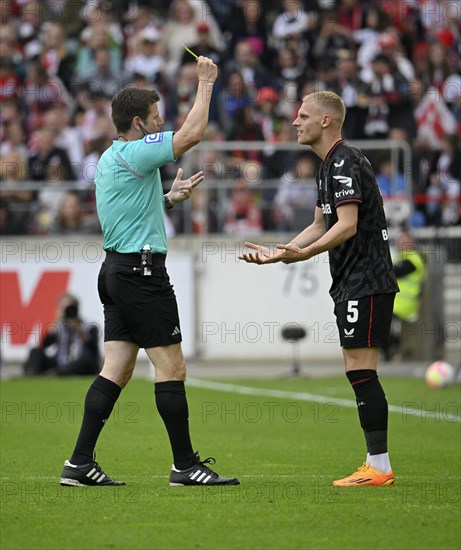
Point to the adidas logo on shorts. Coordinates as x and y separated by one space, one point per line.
176 331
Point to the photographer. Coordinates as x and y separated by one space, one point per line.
69 348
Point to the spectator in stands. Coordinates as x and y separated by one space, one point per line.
203 46
368 38
203 215
51 166
102 78
14 139
389 99
444 191
350 14
234 97
292 21
244 216
10 224
437 71
182 97
71 219
10 50
266 115
144 17
294 203
66 136
245 128
288 74
28 29
434 120
70 347
41 93
55 55
391 46
94 149
9 80
101 32
67 13
247 23
354 92
48 161
282 160
247 63
180 28
410 270
10 113
96 109
327 75
17 202
147 58
391 183
331 38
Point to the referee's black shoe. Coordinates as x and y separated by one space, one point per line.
84 475
199 474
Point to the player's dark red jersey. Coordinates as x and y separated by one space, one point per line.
362 265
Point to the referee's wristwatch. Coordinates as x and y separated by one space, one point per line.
167 202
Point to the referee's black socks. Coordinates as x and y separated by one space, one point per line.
99 402
372 407
170 398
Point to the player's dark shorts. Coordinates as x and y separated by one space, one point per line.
365 322
138 309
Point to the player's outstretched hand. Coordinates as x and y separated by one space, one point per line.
206 69
262 255
291 253
181 190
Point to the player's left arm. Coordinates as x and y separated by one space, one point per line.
340 232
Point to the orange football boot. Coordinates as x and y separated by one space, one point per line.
366 475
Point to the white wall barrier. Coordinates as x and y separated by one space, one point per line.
243 307
35 273
229 309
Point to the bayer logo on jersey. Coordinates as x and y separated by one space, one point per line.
154 138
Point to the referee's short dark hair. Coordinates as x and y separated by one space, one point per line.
131 102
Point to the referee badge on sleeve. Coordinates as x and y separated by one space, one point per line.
154 138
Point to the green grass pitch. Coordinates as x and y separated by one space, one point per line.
285 451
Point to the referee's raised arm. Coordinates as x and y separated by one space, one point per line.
191 132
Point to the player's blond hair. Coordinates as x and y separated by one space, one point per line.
331 103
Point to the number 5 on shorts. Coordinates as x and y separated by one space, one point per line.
352 311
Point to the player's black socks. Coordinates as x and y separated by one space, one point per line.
171 401
372 407
99 402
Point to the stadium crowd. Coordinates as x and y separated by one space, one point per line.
396 64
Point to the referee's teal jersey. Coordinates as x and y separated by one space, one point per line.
129 193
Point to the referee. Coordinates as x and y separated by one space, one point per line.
350 223
140 309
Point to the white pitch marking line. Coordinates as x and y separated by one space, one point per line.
303 396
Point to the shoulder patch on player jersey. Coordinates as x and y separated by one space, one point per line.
345 180
154 138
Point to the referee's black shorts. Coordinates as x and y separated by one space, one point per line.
365 322
138 309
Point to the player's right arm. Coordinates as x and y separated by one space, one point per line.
191 132
263 255
313 232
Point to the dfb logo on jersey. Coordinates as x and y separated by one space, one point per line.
344 180
154 138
